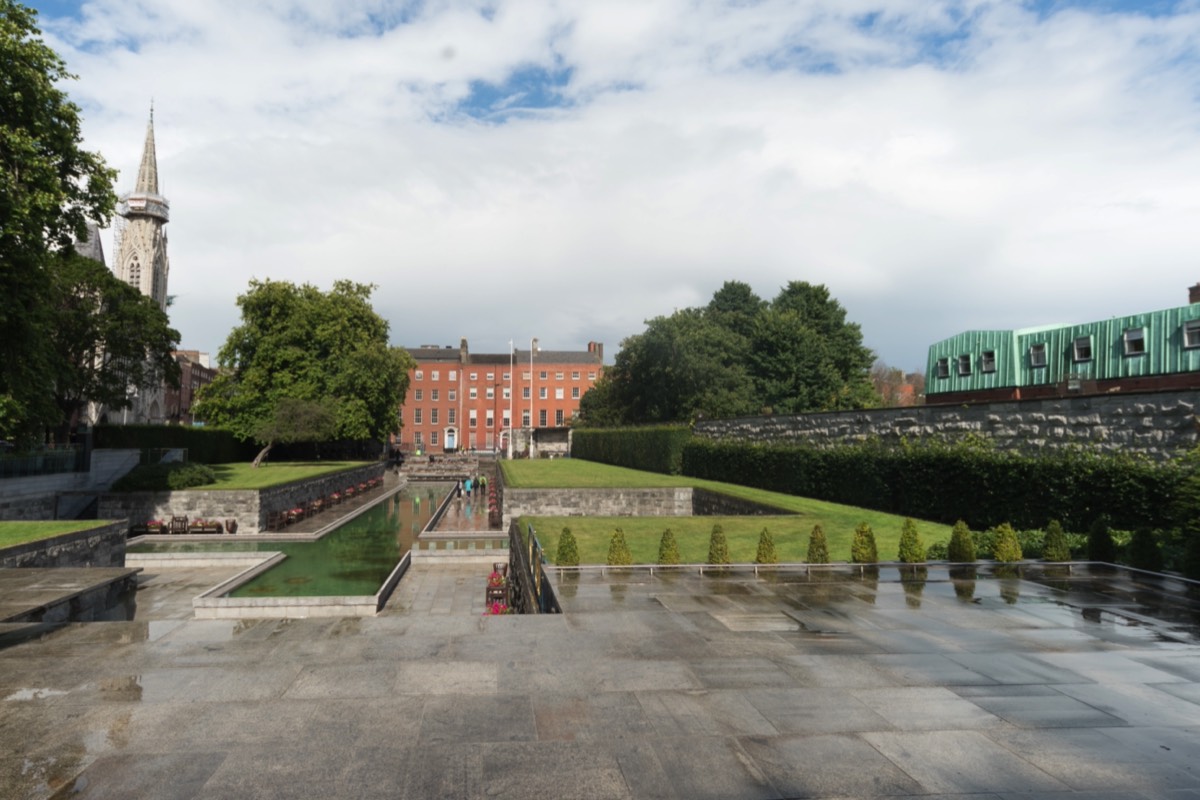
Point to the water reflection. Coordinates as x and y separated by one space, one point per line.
964 582
912 579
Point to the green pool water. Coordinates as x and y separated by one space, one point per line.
354 559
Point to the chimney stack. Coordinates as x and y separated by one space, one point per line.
1194 293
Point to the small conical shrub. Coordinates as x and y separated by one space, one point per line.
668 548
718 548
962 544
818 547
912 551
1008 546
1100 545
1056 548
862 547
568 550
766 549
618 550
1144 551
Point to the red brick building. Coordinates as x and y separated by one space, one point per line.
195 371
462 400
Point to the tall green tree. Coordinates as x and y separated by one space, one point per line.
299 343
734 307
49 188
806 356
682 367
737 356
107 337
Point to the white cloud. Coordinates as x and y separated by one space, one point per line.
941 166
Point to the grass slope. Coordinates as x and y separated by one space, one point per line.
19 532
643 533
244 476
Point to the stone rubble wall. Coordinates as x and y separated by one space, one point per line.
250 508
1157 424
102 546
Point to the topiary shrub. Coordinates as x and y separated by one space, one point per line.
568 550
618 550
165 477
1144 551
1101 546
912 551
962 544
718 548
766 549
1056 546
818 546
1007 548
862 547
668 548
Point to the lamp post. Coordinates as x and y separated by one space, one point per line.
533 346
511 353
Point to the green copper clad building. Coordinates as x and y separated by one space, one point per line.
1140 352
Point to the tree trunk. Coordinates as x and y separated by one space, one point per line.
258 459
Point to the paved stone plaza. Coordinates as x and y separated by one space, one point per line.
676 686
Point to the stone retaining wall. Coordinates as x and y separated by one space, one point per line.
1158 424
597 503
102 546
711 504
676 502
249 507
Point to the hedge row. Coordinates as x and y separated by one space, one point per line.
204 445
948 482
655 449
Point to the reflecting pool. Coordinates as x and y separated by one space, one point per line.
353 559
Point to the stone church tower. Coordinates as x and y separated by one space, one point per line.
141 261
141 243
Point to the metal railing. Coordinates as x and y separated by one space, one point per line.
532 590
69 458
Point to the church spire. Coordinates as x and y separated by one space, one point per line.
147 179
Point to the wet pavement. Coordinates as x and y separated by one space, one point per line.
674 685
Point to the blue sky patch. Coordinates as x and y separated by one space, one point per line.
529 88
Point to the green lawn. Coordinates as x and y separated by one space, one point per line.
244 476
19 532
790 532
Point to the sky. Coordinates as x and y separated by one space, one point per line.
567 170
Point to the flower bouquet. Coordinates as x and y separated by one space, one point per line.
496 579
497 608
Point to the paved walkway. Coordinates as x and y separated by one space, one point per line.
675 686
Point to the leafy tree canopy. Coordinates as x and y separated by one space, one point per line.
297 343
738 355
107 337
49 188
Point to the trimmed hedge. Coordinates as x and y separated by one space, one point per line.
948 482
653 449
204 445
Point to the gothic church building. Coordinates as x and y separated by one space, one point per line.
141 261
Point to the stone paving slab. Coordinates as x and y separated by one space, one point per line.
868 694
28 593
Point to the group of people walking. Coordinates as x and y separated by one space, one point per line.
477 483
